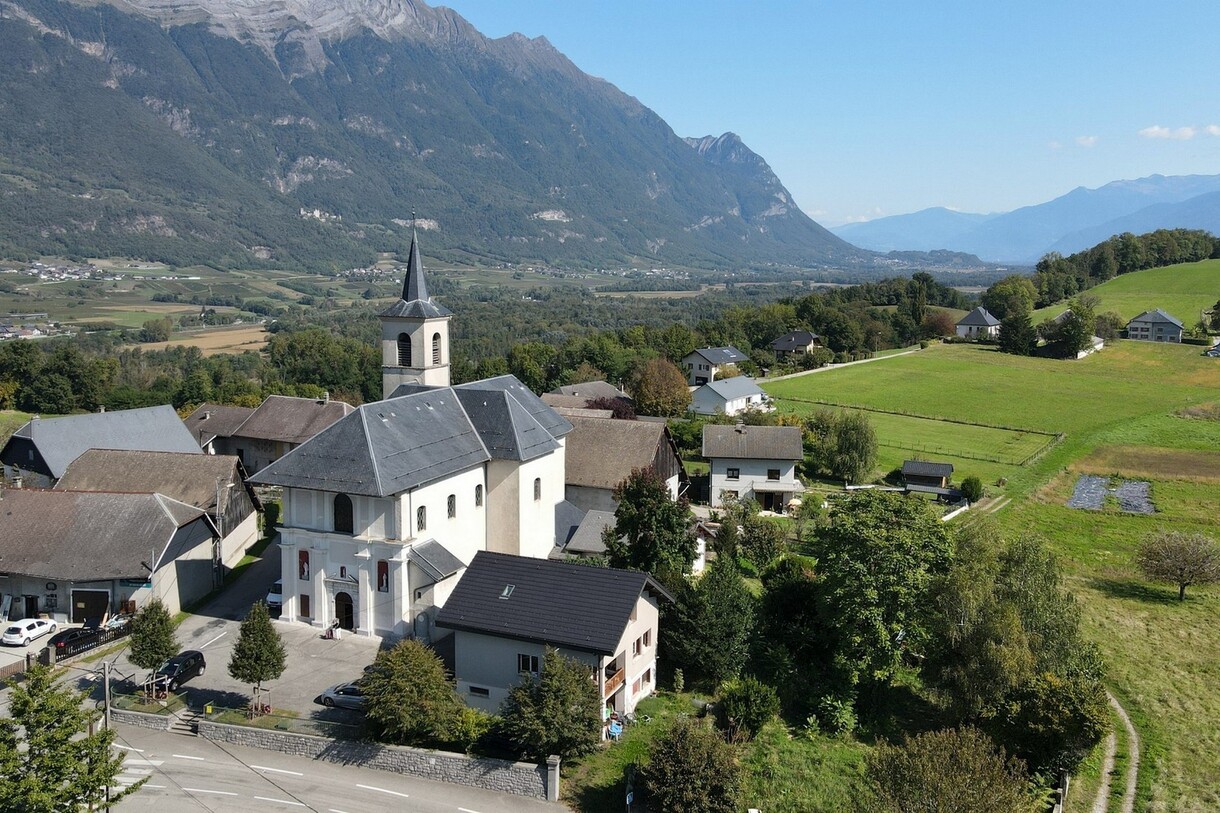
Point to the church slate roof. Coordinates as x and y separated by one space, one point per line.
415 302
555 603
419 435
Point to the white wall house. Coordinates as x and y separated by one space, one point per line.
507 610
754 463
978 324
706 364
729 396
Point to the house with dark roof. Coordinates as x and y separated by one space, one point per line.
213 483
39 452
796 343
926 473
705 364
1155 326
79 555
586 540
506 610
210 423
729 396
592 390
978 324
754 463
602 452
277 426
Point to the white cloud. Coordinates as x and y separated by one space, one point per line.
1087 141
873 215
1055 145
1179 134
1213 129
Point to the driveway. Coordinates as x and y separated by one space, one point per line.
313 663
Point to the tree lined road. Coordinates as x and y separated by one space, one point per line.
191 773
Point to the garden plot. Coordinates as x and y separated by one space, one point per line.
1091 491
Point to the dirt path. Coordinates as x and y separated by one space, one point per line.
1102 803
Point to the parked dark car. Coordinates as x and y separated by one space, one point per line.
181 668
61 640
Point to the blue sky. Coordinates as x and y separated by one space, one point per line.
867 108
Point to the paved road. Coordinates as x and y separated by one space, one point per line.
190 773
313 664
830 367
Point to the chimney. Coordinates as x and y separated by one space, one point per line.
326 397
206 414
101 407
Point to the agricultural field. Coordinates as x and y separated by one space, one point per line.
1136 410
215 341
1181 290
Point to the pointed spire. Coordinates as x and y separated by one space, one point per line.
413 286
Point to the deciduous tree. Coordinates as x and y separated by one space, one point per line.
1180 559
1013 294
951 771
408 697
557 712
652 531
659 388
153 637
49 763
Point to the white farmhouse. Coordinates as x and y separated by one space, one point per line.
729 396
754 463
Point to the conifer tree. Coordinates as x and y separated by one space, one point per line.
258 655
556 712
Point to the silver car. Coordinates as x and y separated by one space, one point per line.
344 696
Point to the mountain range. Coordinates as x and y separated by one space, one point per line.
313 133
1078 220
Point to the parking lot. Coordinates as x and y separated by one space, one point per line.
313 662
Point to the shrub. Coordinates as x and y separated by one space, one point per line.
745 706
835 715
972 488
410 701
558 712
691 770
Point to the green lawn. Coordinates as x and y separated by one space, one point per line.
10 421
1182 290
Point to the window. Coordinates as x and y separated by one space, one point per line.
342 571
436 348
478 496
421 519
383 576
303 565
537 488
343 520
772 474
733 474
404 350
647 677
647 637
527 663
479 691
452 506
304 601
637 646
635 686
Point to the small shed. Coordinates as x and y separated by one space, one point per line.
926 473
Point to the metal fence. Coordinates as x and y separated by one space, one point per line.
101 637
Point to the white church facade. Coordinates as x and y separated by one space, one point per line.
383 510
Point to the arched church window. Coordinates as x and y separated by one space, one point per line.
436 348
404 350
421 519
344 521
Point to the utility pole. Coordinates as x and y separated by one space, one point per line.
106 691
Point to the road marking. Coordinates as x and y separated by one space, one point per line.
205 790
138 762
158 787
332 810
280 801
127 748
186 756
276 770
383 790
214 640
466 810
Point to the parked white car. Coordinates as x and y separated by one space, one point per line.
275 597
20 633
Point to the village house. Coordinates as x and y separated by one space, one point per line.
603 452
978 324
709 363
1155 326
79 555
754 463
729 396
39 452
507 610
796 344
213 483
265 434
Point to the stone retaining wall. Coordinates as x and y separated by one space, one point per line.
157 722
522 779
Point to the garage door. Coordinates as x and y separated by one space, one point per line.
88 604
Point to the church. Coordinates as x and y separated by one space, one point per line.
383 510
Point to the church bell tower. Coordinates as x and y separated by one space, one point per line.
414 334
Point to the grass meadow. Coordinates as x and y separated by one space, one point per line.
1182 290
1119 413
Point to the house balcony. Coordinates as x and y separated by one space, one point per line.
614 680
